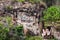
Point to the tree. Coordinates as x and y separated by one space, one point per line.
52 14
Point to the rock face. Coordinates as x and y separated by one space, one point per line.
28 23
55 33
26 13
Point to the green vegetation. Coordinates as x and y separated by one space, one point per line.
37 38
19 30
5 31
52 14
21 0
32 1
34 38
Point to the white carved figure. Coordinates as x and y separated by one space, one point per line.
44 33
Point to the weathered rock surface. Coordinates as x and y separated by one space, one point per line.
31 11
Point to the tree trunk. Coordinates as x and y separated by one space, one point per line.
41 22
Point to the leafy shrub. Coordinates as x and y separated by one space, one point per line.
17 31
3 32
52 14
